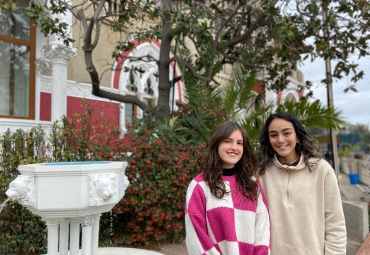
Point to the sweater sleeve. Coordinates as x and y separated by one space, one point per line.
262 229
198 241
335 228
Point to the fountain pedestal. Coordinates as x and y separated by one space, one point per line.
69 196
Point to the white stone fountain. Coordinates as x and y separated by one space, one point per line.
70 195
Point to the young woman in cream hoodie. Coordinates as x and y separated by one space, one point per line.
301 190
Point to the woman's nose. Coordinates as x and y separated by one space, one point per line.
280 138
233 145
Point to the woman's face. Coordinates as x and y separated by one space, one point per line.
283 139
230 150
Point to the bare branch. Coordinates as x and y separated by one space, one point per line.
82 17
125 99
148 59
192 69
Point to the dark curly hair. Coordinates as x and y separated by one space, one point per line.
245 168
309 147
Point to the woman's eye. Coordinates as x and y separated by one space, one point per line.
272 135
287 134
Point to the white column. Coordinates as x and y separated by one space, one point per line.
87 223
63 237
95 235
41 65
53 227
59 56
74 241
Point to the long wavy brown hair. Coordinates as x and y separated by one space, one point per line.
308 146
245 168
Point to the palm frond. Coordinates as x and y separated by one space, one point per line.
314 114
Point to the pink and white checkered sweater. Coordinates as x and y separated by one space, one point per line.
228 226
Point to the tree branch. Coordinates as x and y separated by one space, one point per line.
241 61
248 33
192 69
129 99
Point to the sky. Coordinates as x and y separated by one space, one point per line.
355 107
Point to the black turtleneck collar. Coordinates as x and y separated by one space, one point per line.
228 172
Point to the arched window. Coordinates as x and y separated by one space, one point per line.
135 77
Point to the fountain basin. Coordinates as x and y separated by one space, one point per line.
71 189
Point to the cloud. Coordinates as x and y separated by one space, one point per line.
355 107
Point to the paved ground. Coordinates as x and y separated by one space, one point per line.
174 249
351 192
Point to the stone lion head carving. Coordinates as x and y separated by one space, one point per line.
17 188
105 186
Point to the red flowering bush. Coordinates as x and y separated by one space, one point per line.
166 156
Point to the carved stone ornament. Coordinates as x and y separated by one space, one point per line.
52 223
41 65
104 185
59 53
125 184
22 190
45 84
78 91
88 221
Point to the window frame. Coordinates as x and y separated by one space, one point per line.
31 44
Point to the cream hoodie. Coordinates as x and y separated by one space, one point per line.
305 209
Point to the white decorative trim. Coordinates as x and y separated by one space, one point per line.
22 189
88 221
59 53
41 65
14 124
45 84
74 89
52 223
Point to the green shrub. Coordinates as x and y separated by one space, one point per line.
21 232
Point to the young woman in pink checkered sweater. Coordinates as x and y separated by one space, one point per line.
226 211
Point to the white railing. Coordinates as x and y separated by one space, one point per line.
26 125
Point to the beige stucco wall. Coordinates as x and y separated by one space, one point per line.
102 54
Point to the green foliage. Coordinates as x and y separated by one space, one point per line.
348 149
21 232
48 24
364 132
313 114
